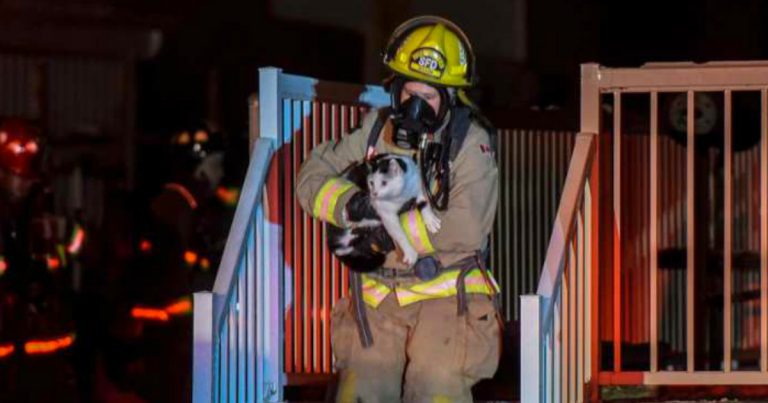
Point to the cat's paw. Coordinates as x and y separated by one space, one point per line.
431 221
410 256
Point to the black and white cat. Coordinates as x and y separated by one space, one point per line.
391 186
395 183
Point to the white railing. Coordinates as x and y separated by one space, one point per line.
239 327
233 323
555 347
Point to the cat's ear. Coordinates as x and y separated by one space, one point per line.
394 167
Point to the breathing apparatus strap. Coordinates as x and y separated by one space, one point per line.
373 136
358 310
458 128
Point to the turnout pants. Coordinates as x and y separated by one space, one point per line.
421 352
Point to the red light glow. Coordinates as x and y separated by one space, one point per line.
205 264
31 147
149 314
190 257
228 196
48 346
53 263
145 246
15 147
6 350
180 307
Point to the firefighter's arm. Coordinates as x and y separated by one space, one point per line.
468 220
322 193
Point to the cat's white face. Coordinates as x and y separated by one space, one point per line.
386 181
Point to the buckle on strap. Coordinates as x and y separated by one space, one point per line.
425 269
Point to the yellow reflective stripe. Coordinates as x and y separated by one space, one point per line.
327 197
416 231
444 286
371 300
374 292
477 286
445 281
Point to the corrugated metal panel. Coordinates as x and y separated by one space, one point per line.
20 81
746 243
314 277
87 94
67 93
635 236
532 169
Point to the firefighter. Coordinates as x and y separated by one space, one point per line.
176 247
37 252
181 232
194 207
425 333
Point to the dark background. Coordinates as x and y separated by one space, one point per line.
197 59
109 81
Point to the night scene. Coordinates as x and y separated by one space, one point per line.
382 201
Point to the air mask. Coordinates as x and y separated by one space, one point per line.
414 122
413 118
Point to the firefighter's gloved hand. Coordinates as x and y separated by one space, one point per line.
359 208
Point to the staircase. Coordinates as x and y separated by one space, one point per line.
262 333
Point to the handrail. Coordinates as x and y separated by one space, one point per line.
233 279
712 76
239 338
552 351
250 199
573 193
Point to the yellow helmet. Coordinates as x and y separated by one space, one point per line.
433 50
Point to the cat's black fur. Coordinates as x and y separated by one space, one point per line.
370 243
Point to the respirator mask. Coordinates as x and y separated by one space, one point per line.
414 118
